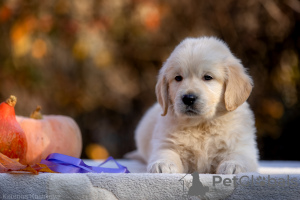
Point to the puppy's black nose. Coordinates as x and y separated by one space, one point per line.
189 99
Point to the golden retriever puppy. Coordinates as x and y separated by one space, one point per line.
202 122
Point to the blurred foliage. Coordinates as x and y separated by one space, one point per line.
97 61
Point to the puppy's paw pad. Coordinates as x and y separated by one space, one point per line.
231 167
162 166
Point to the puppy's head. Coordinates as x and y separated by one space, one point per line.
200 78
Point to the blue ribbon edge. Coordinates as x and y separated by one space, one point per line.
67 164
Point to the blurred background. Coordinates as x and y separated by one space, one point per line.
97 61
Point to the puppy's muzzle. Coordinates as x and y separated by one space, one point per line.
189 99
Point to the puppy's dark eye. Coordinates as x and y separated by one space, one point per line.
207 77
178 78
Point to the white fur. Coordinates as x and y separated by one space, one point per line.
219 136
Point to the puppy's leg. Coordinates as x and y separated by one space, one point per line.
238 163
165 161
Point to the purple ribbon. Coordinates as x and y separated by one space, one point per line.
67 164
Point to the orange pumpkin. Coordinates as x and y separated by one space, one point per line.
50 134
12 138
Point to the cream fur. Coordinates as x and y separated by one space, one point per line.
218 136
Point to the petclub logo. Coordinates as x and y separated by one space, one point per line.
196 188
260 181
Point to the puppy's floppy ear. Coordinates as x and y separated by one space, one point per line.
238 85
162 92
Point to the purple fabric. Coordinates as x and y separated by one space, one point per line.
67 164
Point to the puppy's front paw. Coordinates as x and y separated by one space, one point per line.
162 166
231 167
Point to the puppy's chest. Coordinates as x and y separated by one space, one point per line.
198 139
200 148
